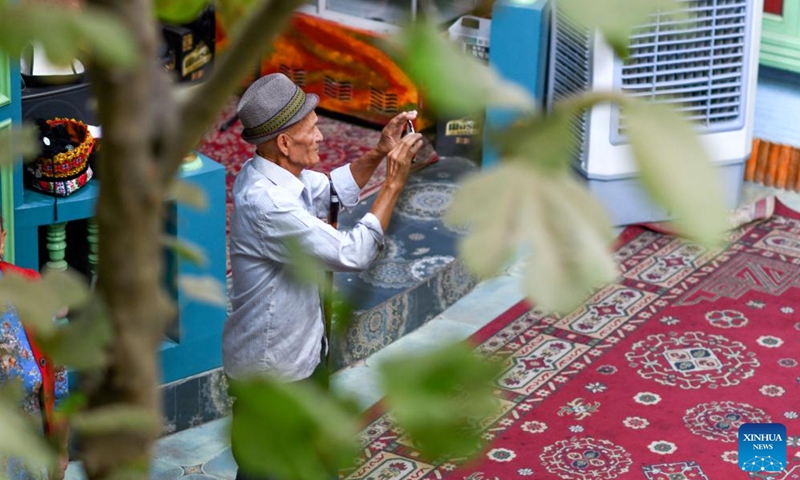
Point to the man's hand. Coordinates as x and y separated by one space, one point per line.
391 133
398 161
398 165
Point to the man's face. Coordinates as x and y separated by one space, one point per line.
304 140
2 241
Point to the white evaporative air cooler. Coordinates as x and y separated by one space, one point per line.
706 66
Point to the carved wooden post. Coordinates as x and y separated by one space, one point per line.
92 238
56 246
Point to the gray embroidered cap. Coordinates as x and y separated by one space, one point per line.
272 104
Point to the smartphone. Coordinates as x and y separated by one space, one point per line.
410 129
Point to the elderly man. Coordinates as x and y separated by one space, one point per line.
276 325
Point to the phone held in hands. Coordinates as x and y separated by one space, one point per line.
410 129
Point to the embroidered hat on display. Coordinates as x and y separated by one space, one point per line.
272 104
63 166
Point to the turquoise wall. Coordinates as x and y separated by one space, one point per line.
777 117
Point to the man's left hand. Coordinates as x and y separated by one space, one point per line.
391 133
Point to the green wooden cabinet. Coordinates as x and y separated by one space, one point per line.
780 37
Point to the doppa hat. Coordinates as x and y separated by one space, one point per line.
272 104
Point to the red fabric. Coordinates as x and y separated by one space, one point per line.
46 367
25 272
649 379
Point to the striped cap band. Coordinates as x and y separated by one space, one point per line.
279 119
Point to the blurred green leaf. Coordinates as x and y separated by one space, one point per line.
569 238
342 317
293 430
487 204
676 170
544 142
113 418
179 11
66 34
186 250
72 404
454 83
82 343
106 37
70 287
18 142
35 303
515 206
440 399
204 288
188 194
21 437
303 267
616 18
231 12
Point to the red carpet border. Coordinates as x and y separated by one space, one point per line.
650 378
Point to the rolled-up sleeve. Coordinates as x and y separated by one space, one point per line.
346 187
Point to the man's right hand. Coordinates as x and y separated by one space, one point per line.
398 160
398 165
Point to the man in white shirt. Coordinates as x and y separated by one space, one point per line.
276 326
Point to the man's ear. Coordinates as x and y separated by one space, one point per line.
282 141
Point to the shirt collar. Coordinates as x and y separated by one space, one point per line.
278 175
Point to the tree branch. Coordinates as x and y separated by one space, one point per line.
253 39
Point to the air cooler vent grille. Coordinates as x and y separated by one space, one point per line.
571 69
698 64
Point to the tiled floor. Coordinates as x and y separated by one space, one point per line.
204 452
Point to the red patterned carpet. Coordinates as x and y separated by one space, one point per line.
650 379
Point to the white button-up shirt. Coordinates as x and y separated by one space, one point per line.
275 326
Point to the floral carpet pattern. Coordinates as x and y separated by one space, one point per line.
649 379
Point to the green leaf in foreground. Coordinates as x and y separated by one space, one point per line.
15 142
186 250
543 142
486 203
82 343
35 303
66 34
303 267
203 288
292 430
442 399
454 82
115 418
676 170
20 437
568 235
179 11
515 207
70 288
189 194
